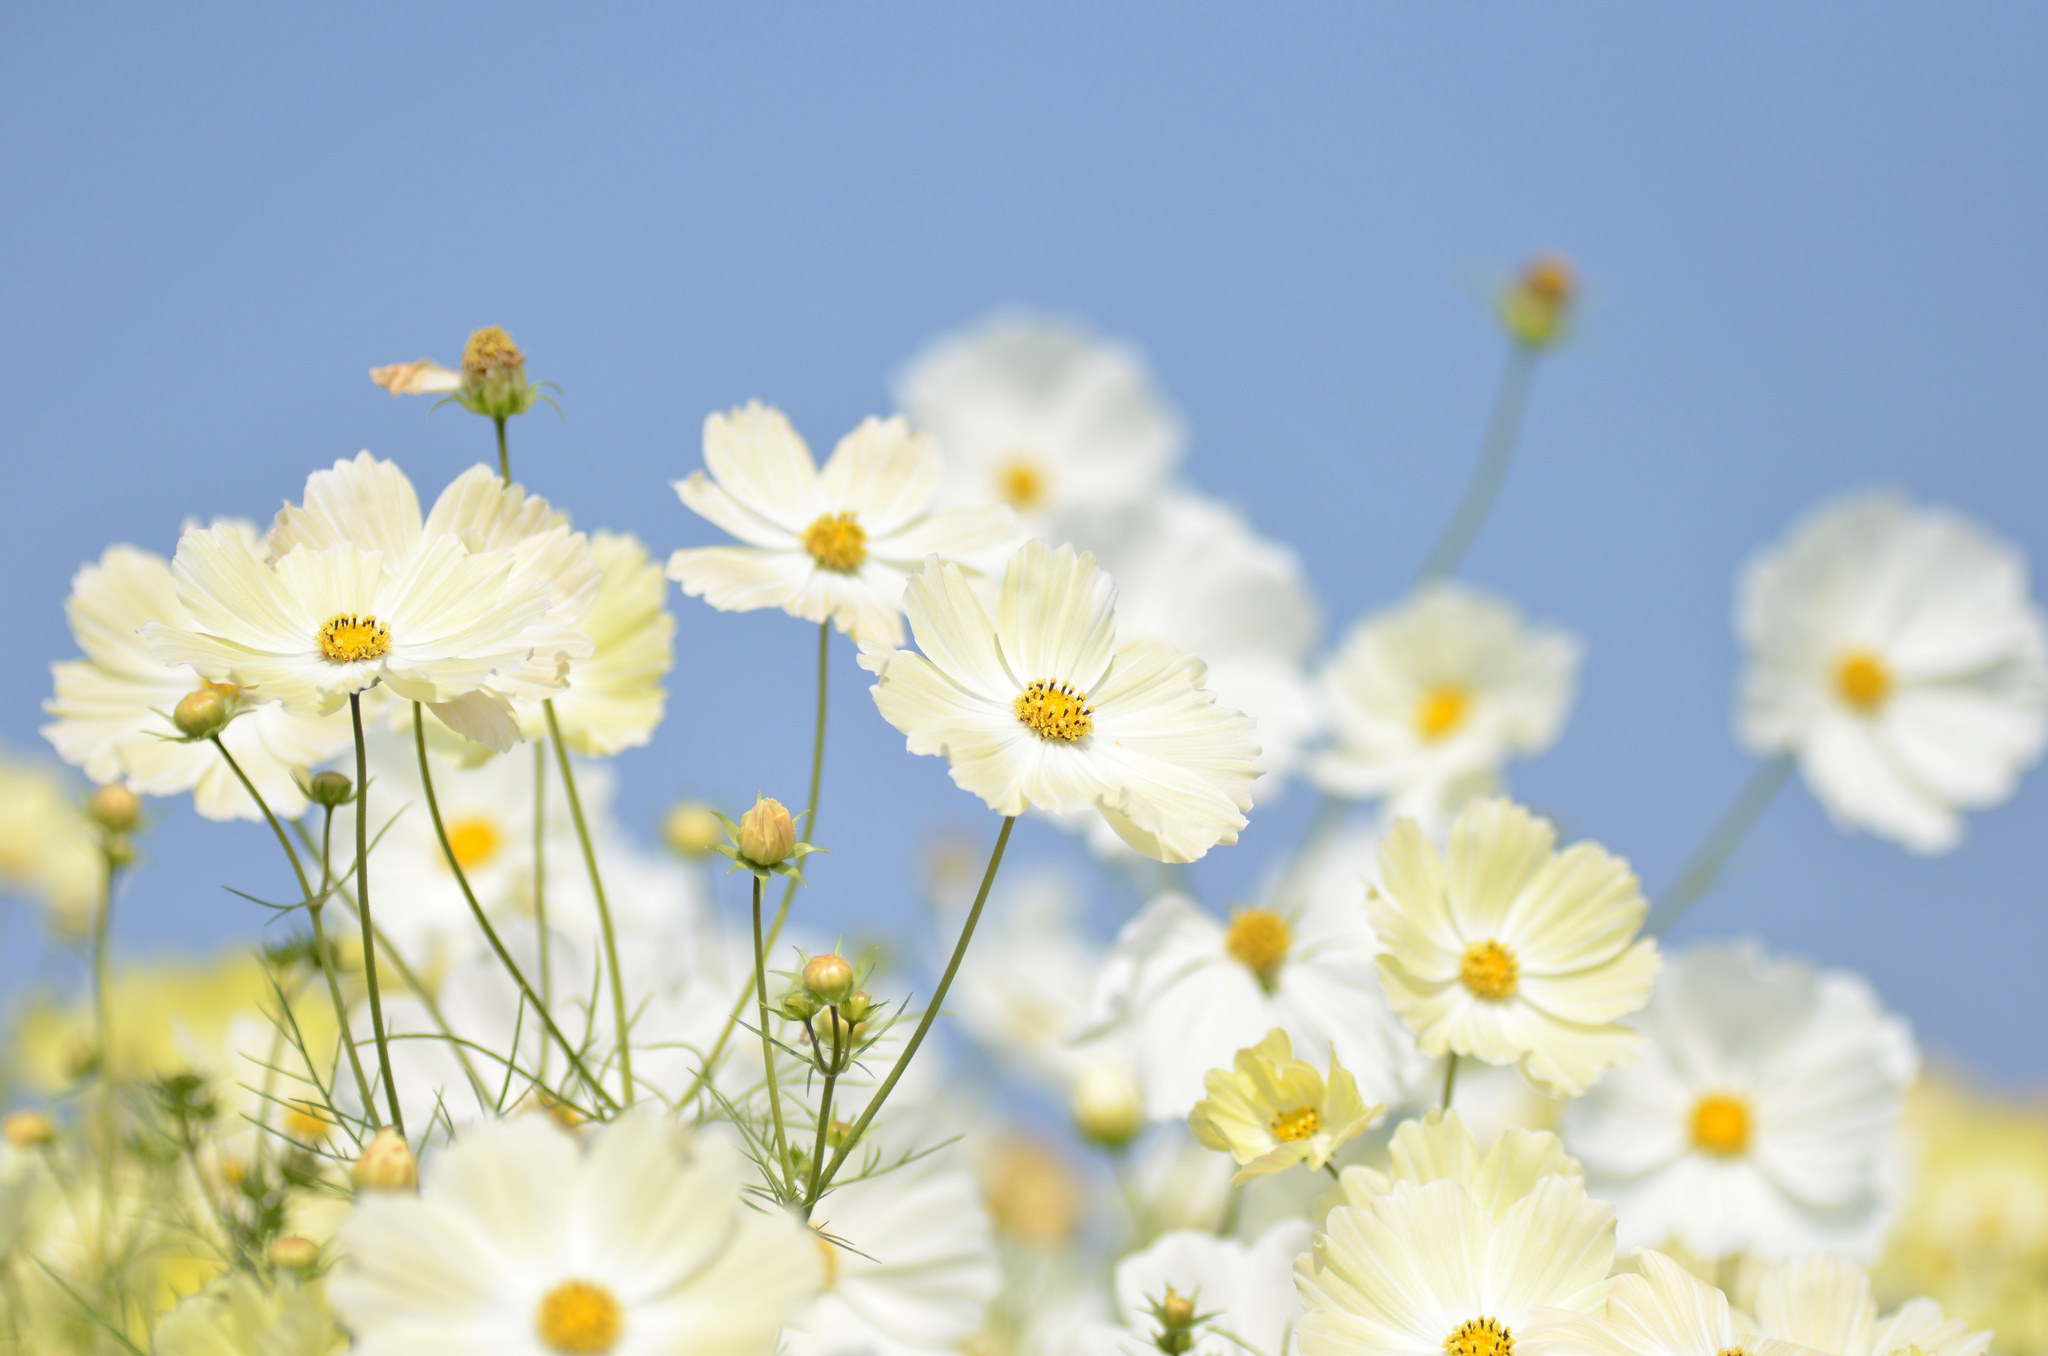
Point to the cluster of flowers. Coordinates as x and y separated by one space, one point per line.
1438 1091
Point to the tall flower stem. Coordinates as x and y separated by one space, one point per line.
842 1034
1491 471
483 921
604 908
540 878
810 822
924 1023
355 712
1450 1078
102 966
504 457
768 1049
314 903
1728 832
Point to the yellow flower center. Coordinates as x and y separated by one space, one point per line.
1863 680
474 841
306 1125
1258 940
1480 1337
837 542
1056 711
490 347
1733 1351
1020 482
1720 1124
1489 970
1299 1123
347 638
580 1319
1442 711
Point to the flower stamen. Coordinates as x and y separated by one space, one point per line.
346 638
1297 1124
578 1318
837 542
1490 971
474 840
1020 482
1055 711
1258 940
1721 1124
1480 1337
1863 680
1442 711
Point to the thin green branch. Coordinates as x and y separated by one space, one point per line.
604 908
1491 471
355 711
1727 834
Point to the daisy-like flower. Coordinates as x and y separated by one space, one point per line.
1763 1117
615 696
631 1240
837 543
1425 1270
1896 651
1185 992
1043 416
1270 1111
112 708
1661 1310
1824 1303
1438 1147
1424 703
1509 951
1039 707
1222 1295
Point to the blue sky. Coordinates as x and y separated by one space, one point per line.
1810 237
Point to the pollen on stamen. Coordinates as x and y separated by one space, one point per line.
1298 1124
837 542
347 638
578 1318
1442 711
1054 711
1258 939
1480 1337
1863 680
1490 971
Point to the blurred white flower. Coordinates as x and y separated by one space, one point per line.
1763 1116
837 543
615 697
1242 1292
1824 1303
1896 651
1040 707
1662 1310
1425 702
241 1314
48 851
1023 990
1043 416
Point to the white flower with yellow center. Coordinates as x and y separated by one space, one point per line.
1426 1270
112 708
1896 651
836 543
1270 1111
633 1239
1661 1310
48 851
1438 1147
1184 992
615 696
1043 416
1238 1296
1425 702
1040 707
1763 1116
1824 1303
1508 951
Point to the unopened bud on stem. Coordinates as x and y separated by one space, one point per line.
691 828
202 713
1536 308
387 1164
767 834
829 978
115 808
330 789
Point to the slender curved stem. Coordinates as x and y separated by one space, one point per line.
768 1048
504 457
540 880
419 730
1705 867
355 712
842 1033
604 908
1450 1078
1491 471
924 1023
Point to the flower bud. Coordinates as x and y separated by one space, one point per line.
28 1129
386 1164
767 834
494 375
857 1007
202 713
798 1005
120 850
330 789
292 1252
1537 306
829 978
839 1133
1176 1310
691 828
115 808
836 1033
1106 1105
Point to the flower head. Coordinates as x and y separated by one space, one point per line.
1660 1310
1271 1111
1437 1147
1824 1303
1205 1295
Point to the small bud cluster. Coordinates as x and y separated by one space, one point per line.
835 1011
1176 1316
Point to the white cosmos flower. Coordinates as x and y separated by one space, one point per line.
525 1240
1509 951
1763 1116
1426 1270
1438 1147
1662 1310
615 696
1244 1292
1896 651
48 849
1824 1303
112 707
1043 416
836 543
1186 991
1425 702
1040 707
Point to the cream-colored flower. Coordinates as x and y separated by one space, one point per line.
836 543
615 696
1824 1303
1427 701
1509 951
1662 1310
1241 1293
243 1315
47 848
1043 416
1270 1111
1038 706
631 1238
1763 1116
112 708
1896 651
421 376
1437 1147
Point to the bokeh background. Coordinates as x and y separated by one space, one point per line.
1811 239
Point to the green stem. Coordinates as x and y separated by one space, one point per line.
840 1035
604 908
419 730
768 1048
1450 1079
924 1023
103 1019
504 457
1495 452
1727 834
540 879
355 712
